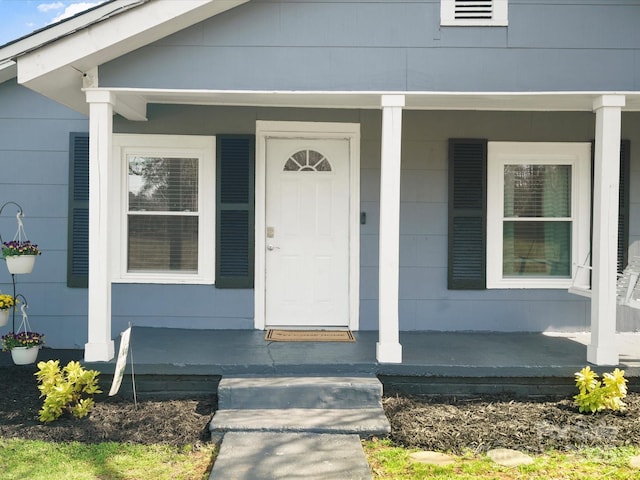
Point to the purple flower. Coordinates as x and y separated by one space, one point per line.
21 339
15 247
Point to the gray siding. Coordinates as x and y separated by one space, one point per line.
328 45
394 45
425 302
34 161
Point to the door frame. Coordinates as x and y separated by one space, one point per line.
315 130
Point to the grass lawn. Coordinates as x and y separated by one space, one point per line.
389 462
36 460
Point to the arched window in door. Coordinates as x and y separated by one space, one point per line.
307 161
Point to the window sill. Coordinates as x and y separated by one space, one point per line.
531 283
165 279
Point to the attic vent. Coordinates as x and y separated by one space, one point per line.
474 9
474 12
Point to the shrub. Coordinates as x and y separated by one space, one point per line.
69 389
595 395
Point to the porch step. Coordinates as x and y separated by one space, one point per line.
345 405
299 392
362 421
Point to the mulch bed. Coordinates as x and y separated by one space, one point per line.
443 424
486 422
113 419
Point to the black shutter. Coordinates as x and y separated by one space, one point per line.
235 211
78 222
623 205
467 214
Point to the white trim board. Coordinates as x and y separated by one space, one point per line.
417 100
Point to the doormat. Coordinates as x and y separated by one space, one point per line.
309 336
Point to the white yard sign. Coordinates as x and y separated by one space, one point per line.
121 363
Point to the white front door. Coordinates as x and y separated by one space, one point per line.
307 232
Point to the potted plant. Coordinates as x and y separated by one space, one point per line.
20 255
23 346
6 303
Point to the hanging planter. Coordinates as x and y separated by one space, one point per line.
24 355
20 254
20 264
25 344
6 303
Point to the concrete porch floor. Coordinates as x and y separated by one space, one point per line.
433 362
236 352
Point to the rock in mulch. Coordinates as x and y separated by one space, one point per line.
432 458
509 458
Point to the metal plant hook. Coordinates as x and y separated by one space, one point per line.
18 216
23 310
20 235
24 325
24 301
20 231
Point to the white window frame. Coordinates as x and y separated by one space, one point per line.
177 146
499 154
499 17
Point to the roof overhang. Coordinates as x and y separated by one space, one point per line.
55 66
131 103
44 36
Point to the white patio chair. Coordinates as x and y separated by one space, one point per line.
627 285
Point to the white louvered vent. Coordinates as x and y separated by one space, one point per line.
474 12
478 9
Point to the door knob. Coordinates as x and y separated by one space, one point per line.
271 247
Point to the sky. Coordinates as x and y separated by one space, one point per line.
21 17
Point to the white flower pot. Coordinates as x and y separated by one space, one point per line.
24 355
4 317
18 264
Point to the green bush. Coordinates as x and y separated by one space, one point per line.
595 395
69 389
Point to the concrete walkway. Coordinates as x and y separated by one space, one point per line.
277 456
306 427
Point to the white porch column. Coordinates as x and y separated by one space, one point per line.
606 183
388 349
100 346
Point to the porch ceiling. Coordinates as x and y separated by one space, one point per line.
496 101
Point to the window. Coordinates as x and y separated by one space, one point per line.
167 208
474 12
162 214
467 235
538 213
234 214
307 161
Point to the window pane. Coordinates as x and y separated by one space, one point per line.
163 184
537 191
160 242
537 249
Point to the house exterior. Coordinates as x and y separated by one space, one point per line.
391 166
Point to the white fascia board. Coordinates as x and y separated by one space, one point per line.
121 34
